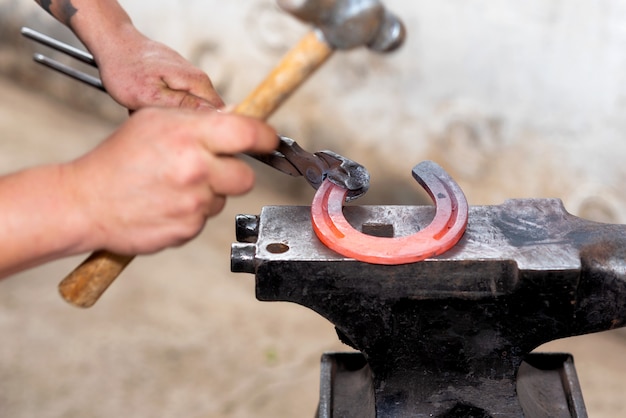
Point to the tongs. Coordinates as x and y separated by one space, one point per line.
288 158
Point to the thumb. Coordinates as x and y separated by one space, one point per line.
190 101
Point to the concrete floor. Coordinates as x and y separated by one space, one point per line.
178 334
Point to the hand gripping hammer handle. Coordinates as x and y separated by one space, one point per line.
87 282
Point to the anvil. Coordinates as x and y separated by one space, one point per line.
445 337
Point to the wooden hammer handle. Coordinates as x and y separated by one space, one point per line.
84 286
295 67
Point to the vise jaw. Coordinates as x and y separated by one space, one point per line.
446 337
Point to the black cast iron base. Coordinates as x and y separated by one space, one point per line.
547 387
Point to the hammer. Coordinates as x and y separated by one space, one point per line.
338 24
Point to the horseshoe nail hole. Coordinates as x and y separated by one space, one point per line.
378 230
277 248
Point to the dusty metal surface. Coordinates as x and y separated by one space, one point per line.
452 330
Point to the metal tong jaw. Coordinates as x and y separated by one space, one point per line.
288 158
292 159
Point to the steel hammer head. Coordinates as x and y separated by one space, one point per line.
348 24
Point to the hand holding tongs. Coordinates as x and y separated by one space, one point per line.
288 158
88 281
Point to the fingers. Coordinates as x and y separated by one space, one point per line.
163 96
200 92
218 133
223 136
232 134
206 99
164 172
230 176
148 73
190 101
193 87
217 204
192 91
200 146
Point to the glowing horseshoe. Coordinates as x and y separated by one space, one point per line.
445 230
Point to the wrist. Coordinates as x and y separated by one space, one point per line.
41 217
74 211
102 27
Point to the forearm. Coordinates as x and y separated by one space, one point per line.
39 220
99 24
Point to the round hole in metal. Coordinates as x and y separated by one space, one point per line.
277 248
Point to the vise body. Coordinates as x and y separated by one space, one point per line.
450 336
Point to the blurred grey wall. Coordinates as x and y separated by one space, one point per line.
514 99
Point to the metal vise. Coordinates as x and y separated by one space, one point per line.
449 336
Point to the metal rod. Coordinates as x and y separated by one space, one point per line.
73 52
69 71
